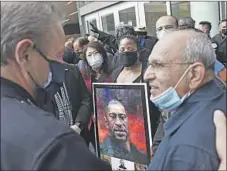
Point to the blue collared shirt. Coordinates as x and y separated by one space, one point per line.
189 141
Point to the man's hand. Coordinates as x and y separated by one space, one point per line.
94 28
76 129
220 123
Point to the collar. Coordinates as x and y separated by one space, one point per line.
12 90
208 92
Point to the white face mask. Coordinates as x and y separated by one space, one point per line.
95 61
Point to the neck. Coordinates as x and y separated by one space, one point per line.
11 73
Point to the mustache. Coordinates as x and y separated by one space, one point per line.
120 130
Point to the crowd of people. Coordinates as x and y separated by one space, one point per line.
46 89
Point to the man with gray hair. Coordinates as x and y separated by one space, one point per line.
183 83
186 23
32 41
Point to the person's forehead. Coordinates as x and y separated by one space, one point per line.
165 21
169 48
58 39
118 108
126 42
90 49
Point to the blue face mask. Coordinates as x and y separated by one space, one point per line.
169 99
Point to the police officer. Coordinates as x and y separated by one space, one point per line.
32 139
221 41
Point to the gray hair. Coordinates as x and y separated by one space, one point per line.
199 49
26 20
186 22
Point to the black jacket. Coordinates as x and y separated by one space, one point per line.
79 96
221 50
32 139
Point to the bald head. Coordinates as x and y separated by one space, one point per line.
166 21
165 24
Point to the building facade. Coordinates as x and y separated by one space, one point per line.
107 15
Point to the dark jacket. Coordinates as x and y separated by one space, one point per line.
32 139
70 56
189 141
79 97
221 50
113 149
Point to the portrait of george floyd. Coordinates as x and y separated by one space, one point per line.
122 121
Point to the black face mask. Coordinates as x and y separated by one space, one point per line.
128 58
224 31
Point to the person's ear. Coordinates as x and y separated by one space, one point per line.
23 52
196 75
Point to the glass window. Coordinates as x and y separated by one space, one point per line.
128 16
89 27
108 23
180 9
223 10
153 11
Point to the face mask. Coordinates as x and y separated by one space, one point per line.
56 74
128 59
169 99
160 34
224 31
95 61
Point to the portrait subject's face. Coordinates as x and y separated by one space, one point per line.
117 122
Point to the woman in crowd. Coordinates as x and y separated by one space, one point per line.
132 71
97 60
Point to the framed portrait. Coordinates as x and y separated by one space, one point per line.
122 124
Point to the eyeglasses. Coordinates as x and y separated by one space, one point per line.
160 65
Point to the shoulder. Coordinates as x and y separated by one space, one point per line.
115 73
185 157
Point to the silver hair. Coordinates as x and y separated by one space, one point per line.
26 20
199 49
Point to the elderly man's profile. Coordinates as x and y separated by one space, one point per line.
117 143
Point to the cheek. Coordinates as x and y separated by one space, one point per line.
163 80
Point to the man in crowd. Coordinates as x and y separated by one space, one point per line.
165 24
117 144
205 27
221 41
144 40
32 139
186 23
69 54
183 83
